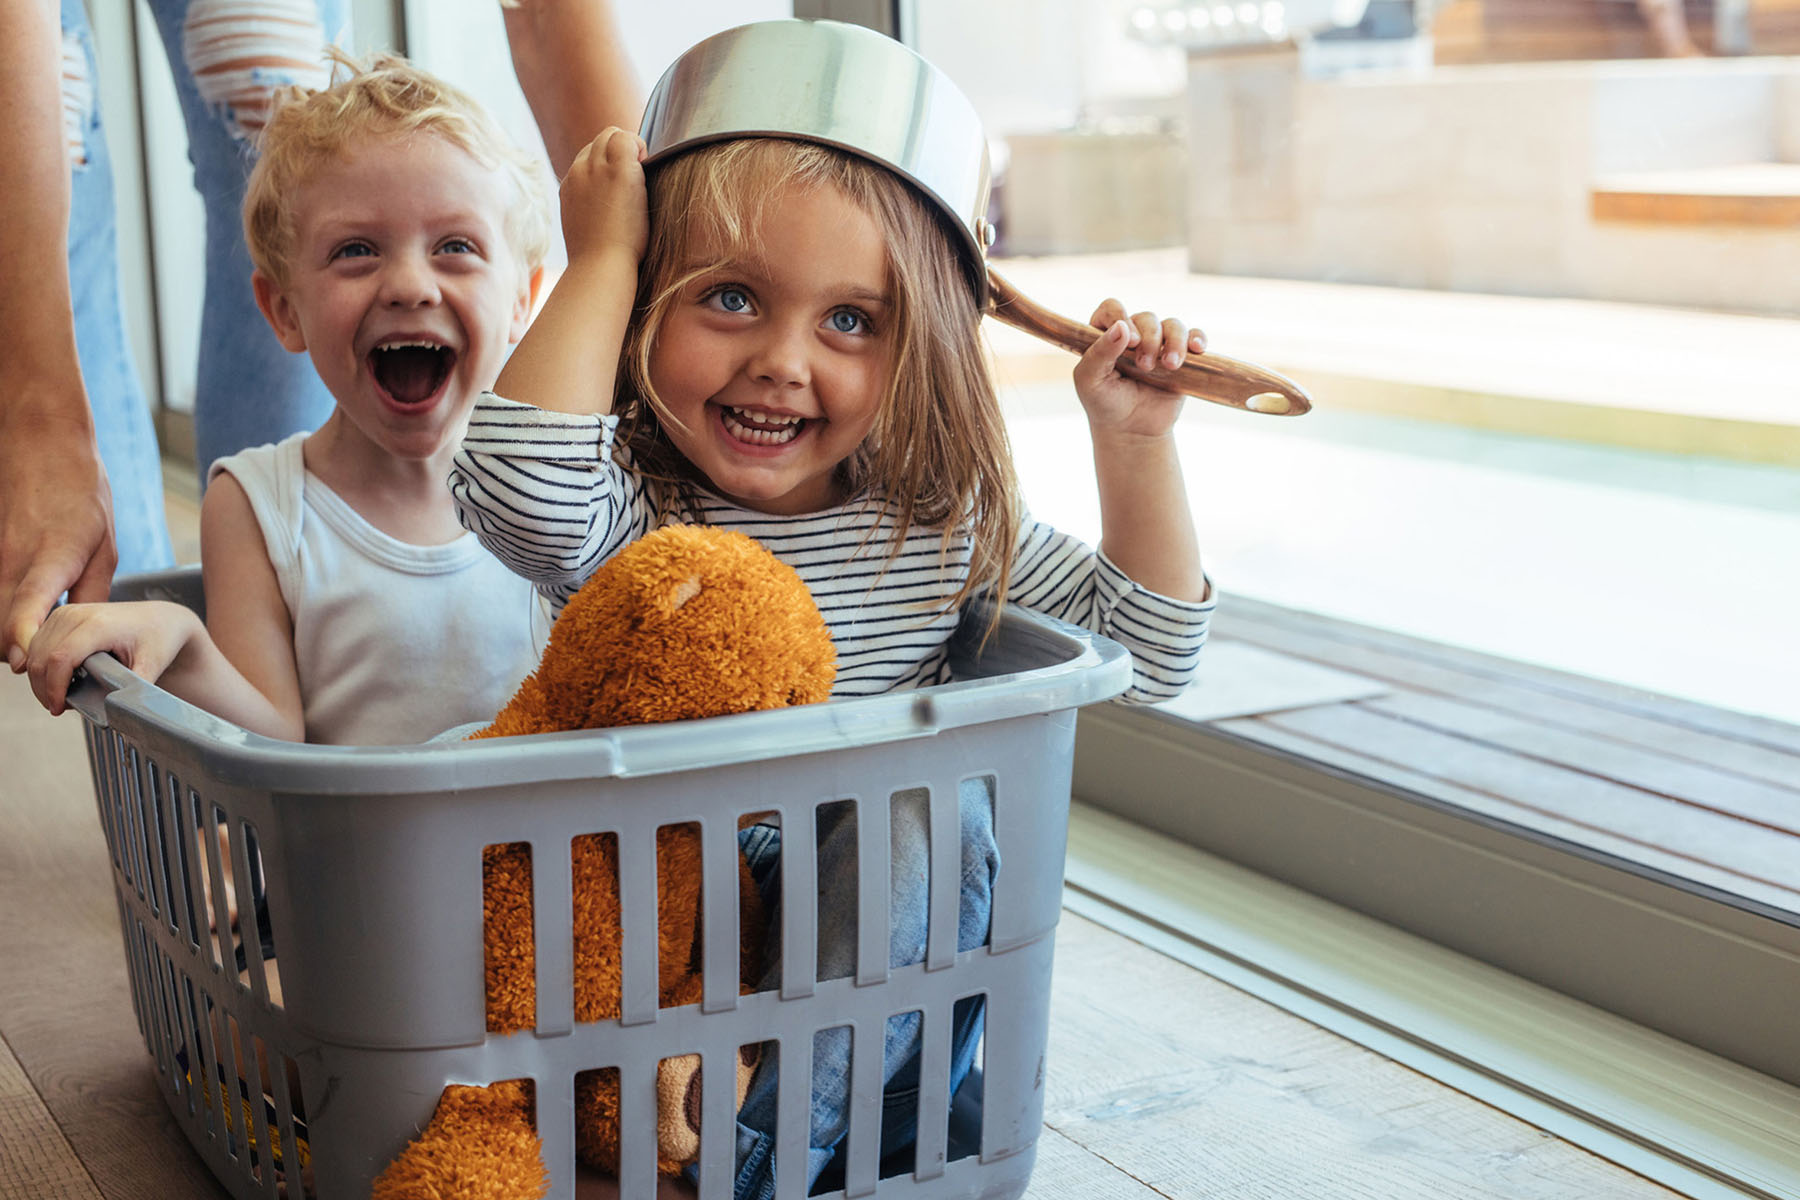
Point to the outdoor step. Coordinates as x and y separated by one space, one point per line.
1765 193
1640 376
1472 31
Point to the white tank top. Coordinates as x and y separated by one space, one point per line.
394 642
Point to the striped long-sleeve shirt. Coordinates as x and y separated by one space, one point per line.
545 493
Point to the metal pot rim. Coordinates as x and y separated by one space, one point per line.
839 85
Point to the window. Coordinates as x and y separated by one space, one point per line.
1502 655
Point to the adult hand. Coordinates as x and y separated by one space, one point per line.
56 531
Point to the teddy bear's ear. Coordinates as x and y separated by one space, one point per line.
685 590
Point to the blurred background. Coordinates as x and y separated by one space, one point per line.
1538 261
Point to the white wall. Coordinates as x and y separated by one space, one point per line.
1787 120
1033 66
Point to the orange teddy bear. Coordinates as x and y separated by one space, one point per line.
686 622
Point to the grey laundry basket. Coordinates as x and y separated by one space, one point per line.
371 861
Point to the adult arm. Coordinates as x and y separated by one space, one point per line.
572 66
56 530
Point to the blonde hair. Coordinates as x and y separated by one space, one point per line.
383 96
938 451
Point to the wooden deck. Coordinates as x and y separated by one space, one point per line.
1696 791
1470 31
1480 31
1162 1081
1757 194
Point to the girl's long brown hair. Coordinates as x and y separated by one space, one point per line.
938 452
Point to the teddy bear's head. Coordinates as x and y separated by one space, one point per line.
687 621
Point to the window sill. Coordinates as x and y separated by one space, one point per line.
1689 1119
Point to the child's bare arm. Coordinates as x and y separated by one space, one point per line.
569 357
1146 528
163 642
239 665
148 637
246 618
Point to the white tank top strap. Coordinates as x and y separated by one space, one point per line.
274 478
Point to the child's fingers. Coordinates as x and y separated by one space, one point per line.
610 146
51 661
1175 345
1149 341
1098 362
587 154
1110 311
622 146
50 681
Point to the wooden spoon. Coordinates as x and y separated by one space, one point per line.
1207 376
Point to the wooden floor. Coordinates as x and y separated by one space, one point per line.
1162 1081
1697 791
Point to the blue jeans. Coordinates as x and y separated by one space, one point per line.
908 906
249 389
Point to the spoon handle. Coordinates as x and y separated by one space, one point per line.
1207 376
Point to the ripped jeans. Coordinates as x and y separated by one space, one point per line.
908 903
249 390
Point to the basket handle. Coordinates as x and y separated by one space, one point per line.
87 695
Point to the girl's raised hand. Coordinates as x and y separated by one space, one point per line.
1116 403
604 204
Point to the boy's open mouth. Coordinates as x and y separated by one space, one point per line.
761 428
411 372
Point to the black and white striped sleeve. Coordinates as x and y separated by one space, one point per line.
1061 576
542 492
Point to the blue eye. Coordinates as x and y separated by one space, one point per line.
458 246
731 299
353 250
848 320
